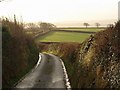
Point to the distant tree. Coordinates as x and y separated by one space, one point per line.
86 24
31 26
43 26
110 25
46 26
97 24
51 26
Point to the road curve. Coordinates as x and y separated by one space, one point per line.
48 74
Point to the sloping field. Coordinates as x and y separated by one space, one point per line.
57 36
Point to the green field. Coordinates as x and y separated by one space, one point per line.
63 37
83 29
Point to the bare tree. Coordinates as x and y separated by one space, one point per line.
86 24
97 24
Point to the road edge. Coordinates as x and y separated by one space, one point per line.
67 83
39 61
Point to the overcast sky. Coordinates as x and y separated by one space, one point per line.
60 10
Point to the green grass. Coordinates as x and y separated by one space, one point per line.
63 37
29 32
83 29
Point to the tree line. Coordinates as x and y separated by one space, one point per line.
97 25
43 26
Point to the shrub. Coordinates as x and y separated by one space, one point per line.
19 53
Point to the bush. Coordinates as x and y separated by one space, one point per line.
19 53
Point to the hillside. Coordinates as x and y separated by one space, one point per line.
99 60
93 63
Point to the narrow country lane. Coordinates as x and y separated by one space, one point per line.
48 74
